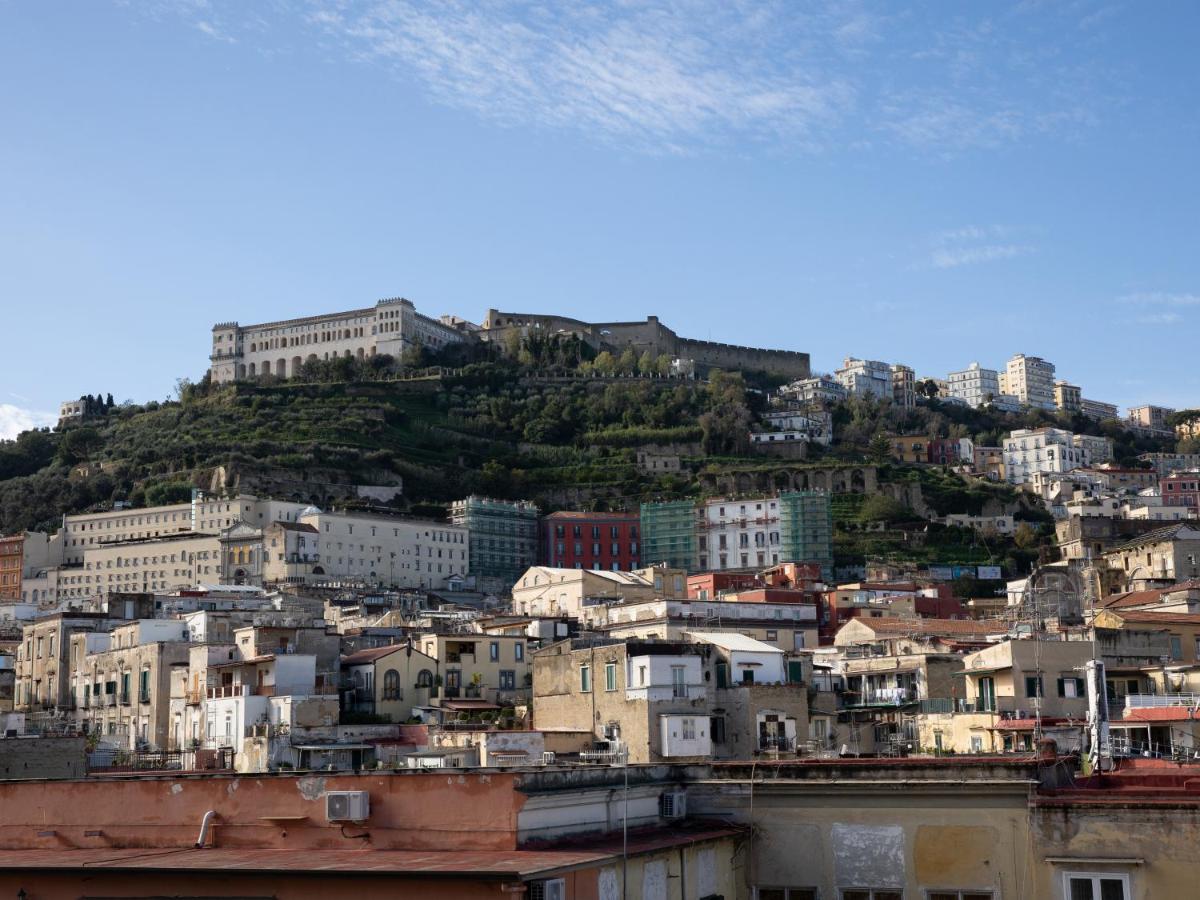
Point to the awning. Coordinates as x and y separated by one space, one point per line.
468 704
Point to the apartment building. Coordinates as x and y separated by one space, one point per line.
1096 449
121 681
865 378
1068 397
1157 558
1041 450
974 385
476 672
591 540
548 591
788 625
904 392
43 660
1031 380
1181 489
820 390
1098 409
1150 418
503 537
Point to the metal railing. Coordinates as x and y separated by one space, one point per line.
131 761
1143 701
777 743
605 757
877 696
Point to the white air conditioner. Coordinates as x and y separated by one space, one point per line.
347 806
548 757
550 889
672 805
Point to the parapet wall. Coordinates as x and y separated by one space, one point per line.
653 336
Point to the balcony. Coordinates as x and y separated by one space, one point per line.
143 696
1150 701
227 690
110 699
893 696
776 743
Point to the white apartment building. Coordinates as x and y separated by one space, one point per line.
1098 449
820 390
281 348
1041 450
974 385
865 378
379 549
1031 380
739 534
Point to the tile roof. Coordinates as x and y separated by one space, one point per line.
1151 617
361 657
1166 533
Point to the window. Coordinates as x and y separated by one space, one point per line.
871 894
391 685
1070 687
687 729
958 895
716 727
1033 686
585 679
1080 886
610 676
494 651
785 893
508 680
519 651
678 682
1176 647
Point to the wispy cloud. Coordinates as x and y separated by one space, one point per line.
971 245
15 419
1159 298
676 76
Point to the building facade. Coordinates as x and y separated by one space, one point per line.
1031 380
282 348
865 378
1098 409
1181 489
1044 450
503 536
974 385
669 534
585 540
1068 397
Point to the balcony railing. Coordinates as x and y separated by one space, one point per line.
227 690
605 757
110 699
897 696
777 743
1143 701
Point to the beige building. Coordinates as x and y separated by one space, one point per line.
121 681
1067 397
281 348
388 681
43 663
1006 687
546 591
1030 379
1157 558
477 672
182 560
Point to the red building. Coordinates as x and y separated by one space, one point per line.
944 451
711 585
591 540
1181 489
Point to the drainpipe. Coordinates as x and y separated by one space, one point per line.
205 825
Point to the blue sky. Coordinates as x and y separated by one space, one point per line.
936 185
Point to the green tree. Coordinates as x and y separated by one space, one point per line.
646 363
882 508
879 450
604 363
627 364
1025 536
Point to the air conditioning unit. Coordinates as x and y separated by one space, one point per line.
549 889
548 757
672 805
347 806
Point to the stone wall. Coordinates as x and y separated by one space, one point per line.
42 757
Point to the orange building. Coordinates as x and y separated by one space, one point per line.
12 557
424 833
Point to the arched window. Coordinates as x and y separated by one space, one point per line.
424 679
391 685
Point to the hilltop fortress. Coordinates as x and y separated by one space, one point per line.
393 326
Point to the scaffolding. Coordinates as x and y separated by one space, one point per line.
669 534
503 535
806 529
